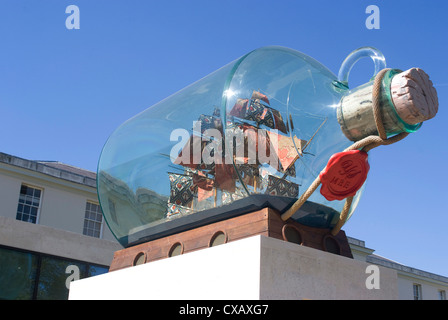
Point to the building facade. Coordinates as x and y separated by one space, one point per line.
51 229
413 284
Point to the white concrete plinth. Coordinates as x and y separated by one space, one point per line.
254 268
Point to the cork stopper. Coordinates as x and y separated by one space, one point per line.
406 100
414 96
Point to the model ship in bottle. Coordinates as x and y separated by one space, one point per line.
254 134
253 159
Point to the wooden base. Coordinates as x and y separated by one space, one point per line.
265 222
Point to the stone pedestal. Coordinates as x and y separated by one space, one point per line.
265 222
258 267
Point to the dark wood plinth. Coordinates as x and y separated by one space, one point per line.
265 222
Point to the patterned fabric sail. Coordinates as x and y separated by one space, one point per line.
282 187
182 189
259 112
207 177
289 150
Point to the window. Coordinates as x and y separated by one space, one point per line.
442 295
417 291
18 274
28 275
92 220
29 201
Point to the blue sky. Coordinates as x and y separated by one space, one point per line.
63 92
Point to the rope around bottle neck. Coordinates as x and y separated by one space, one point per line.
365 144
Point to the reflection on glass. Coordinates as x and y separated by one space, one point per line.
53 277
96 270
26 275
17 274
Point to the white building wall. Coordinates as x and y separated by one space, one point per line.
431 284
56 242
405 289
62 203
429 289
9 195
63 209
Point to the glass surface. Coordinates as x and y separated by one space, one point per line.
96 270
28 205
255 133
17 274
26 275
53 278
377 57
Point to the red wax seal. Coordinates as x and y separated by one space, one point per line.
345 173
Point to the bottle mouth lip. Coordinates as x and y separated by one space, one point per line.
386 84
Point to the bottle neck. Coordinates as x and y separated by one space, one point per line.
355 113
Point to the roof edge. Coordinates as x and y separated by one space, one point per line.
47 170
